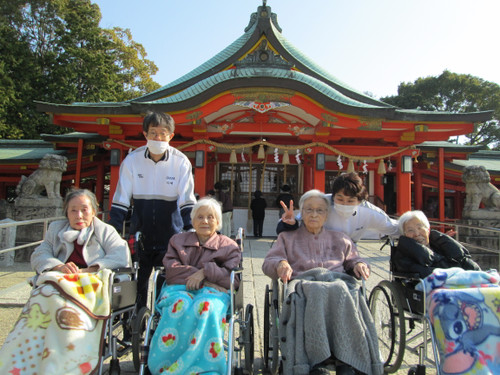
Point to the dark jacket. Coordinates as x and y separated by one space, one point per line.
444 252
258 207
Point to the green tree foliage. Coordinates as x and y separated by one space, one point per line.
55 51
458 93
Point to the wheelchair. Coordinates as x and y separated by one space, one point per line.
239 336
124 330
401 319
273 301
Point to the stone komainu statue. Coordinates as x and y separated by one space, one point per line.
47 177
479 189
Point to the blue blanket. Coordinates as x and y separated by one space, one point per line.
464 310
189 337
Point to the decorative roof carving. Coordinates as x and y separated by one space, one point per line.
263 57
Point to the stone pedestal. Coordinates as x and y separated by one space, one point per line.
483 238
7 240
30 209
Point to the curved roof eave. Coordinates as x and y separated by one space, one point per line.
268 77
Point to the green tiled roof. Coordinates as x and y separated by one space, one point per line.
19 151
244 73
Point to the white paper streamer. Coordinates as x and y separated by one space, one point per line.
339 162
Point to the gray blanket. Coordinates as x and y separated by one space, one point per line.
325 314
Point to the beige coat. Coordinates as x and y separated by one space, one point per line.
103 247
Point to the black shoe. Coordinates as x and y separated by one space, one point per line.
344 369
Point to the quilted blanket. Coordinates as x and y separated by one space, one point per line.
464 310
61 327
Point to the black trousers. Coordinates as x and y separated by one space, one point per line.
147 261
258 224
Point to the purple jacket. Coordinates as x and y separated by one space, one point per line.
303 250
218 257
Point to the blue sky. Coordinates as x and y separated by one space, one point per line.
371 45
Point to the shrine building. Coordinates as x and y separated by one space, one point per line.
260 114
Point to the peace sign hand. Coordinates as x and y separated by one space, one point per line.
288 216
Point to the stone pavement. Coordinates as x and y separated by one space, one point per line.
14 291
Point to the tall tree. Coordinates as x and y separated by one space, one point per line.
55 51
455 93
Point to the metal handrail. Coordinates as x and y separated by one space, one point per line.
45 223
458 227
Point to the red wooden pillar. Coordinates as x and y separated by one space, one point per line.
441 183
308 173
403 189
200 170
378 186
99 188
79 157
417 189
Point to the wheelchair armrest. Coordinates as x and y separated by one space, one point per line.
124 270
406 275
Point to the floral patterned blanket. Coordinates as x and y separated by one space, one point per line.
189 336
464 310
61 327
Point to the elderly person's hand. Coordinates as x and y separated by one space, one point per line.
69 267
361 270
284 271
195 281
215 286
288 216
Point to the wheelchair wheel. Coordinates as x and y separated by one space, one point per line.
386 306
138 333
267 317
271 321
248 337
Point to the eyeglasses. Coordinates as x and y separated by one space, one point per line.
319 211
207 218
162 135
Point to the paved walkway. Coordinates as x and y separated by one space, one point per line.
14 292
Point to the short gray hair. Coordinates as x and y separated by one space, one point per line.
213 204
314 193
77 193
410 215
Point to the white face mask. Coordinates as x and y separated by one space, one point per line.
345 210
157 147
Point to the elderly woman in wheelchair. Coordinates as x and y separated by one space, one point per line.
325 317
61 326
420 249
194 300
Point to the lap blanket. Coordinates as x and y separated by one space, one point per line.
189 336
325 314
61 327
464 310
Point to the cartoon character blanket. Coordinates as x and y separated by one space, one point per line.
60 329
464 310
189 336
